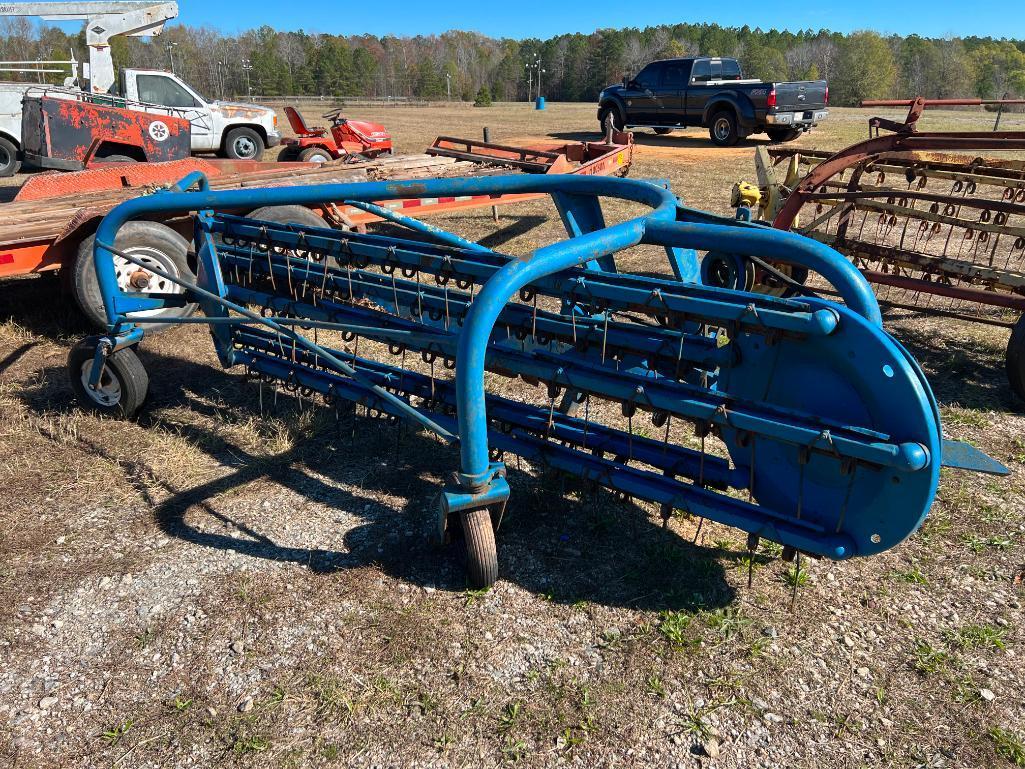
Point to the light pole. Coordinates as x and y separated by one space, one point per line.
448 85
531 68
220 78
170 55
246 66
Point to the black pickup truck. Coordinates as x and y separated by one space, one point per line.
711 92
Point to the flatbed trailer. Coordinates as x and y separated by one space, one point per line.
53 215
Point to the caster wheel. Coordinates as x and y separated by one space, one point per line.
481 550
123 385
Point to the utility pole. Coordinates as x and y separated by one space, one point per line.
530 75
170 56
220 78
448 85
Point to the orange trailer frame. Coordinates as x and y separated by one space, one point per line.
26 253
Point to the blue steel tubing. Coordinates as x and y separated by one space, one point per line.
777 245
663 394
614 290
117 305
266 321
426 228
560 256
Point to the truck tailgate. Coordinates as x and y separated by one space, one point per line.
804 95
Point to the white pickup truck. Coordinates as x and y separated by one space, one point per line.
232 130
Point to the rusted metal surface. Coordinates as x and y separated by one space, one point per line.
66 133
917 220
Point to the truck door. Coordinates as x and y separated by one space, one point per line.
670 95
641 99
159 89
698 91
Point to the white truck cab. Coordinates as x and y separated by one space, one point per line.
240 131
236 130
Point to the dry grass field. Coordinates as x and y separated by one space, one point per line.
224 585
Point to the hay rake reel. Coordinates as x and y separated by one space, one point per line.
936 228
800 421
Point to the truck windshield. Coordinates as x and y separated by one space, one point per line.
159 89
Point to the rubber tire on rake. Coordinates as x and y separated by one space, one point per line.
481 550
123 367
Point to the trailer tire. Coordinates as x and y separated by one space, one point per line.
289 154
244 144
124 383
1015 358
315 155
152 242
481 550
288 215
722 128
664 131
9 163
781 135
115 159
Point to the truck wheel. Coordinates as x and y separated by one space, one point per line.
315 155
723 128
664 131
780 135
123 386
243 144
614 115
9 163
1014 358
154 244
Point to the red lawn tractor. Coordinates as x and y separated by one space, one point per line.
352 140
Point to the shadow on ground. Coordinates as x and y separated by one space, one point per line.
557 540
38 304
691 138
960 370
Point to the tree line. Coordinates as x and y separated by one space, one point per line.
456 64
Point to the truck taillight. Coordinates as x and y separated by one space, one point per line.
827 95
771 100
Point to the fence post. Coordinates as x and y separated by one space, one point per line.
1000 111
487 138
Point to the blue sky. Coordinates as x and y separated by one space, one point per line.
537 18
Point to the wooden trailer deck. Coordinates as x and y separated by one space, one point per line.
41 228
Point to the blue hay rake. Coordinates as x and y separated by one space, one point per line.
806 423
